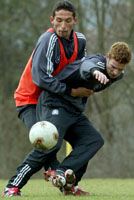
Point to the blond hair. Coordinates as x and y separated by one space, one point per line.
121 52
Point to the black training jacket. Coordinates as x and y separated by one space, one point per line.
78 74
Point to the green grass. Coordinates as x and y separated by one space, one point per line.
100 189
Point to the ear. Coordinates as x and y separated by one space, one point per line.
51 19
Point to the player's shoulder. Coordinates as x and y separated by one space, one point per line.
80 36
101 61
100 57
97 59
48 37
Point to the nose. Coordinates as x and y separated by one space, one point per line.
63 25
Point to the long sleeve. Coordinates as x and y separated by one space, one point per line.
43 65
91 63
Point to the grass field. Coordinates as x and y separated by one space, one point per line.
100 189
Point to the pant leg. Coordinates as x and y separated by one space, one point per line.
86 142
35 160
28 117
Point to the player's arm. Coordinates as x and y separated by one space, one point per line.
93 67
43 67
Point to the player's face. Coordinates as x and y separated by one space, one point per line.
114 68
63 23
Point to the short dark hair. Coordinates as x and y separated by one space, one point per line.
64 5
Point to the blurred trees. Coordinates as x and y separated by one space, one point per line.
103 22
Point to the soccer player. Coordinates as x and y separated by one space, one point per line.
65 111
57 47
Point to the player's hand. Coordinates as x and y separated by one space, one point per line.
81 92
100 77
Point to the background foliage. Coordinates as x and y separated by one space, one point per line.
103 22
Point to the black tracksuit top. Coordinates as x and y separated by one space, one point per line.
78 74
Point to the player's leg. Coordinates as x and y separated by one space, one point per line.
87 141
76 190
32 163
62 119
28 116
71 137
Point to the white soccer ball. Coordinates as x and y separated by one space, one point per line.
43 135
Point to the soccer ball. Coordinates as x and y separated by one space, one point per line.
43 135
